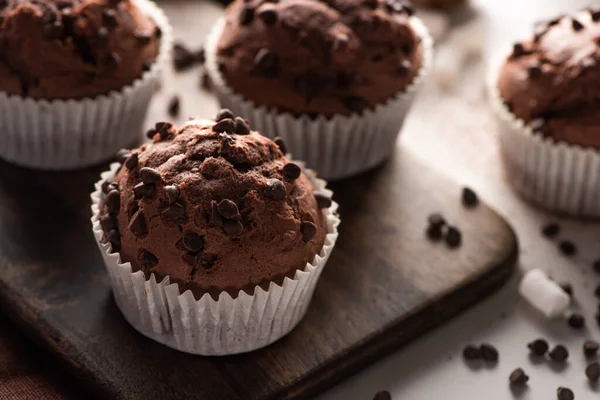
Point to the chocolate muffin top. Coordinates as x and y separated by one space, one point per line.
323 57
72 49
552 80
213 206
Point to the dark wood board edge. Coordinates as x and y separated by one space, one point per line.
396 335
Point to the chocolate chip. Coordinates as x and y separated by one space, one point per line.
593 372
577 26
108 186
551 230
232 227
147 260
434 233
200 55
183 58
114 238
322 200
404 67
215 218
453 237
102 35
174 105
436 220
275 189
113 201
518 50
175 210
147 65
158 32
193 259
539 347
144 190
268 15
246 15
563 393
488 353
590 348
281 144
291 171
596 266
224 113
113 60
132 161
137 224
109 222
340 43
172 193
576 321
469 197
52 30
595 14
308 229
266 63
225 125
241 126
567 248
471 353
150 133
165 129
143 39
122 155
193 242
228 209
559 353
150 175
109 18
354 103
534 70
205 81
518 377
382 395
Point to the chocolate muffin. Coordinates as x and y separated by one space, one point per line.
552 80
215 207
316 57
73 49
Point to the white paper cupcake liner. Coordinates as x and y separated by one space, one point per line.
69 134
338 147
206 326
554 175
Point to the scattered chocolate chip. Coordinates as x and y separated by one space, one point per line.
340 43
281 144
275 189
183 58
109 18
224 113
221 67
150 175
539 347
382 395
308 229
567 288
225 125
108 222
518 377
246 15
228 209
593 372
193 259
132 161
354 103
113 60
471 353
488 353
113 201
436 220
322 200
165 129
150 133
144 190
173 107
172 193
576 321
551 230
200 55
590 348
291 171
193 242
241 126
147 260
114 239
267 63
215 218
434 233
559 353
137 224
577 26
175 210
205 81
564 394
469 197
518 50
534 70
596 266
567 248
143 39
108 186
595 14
232 227
404 67
268 15
453 237
102 35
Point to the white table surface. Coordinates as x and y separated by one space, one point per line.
458 138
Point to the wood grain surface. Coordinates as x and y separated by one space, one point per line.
384 285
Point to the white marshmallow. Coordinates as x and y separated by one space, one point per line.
544 294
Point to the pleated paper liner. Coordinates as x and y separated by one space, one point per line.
338 147
206 326
554 175
70 134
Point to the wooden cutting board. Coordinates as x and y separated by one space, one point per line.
385 283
